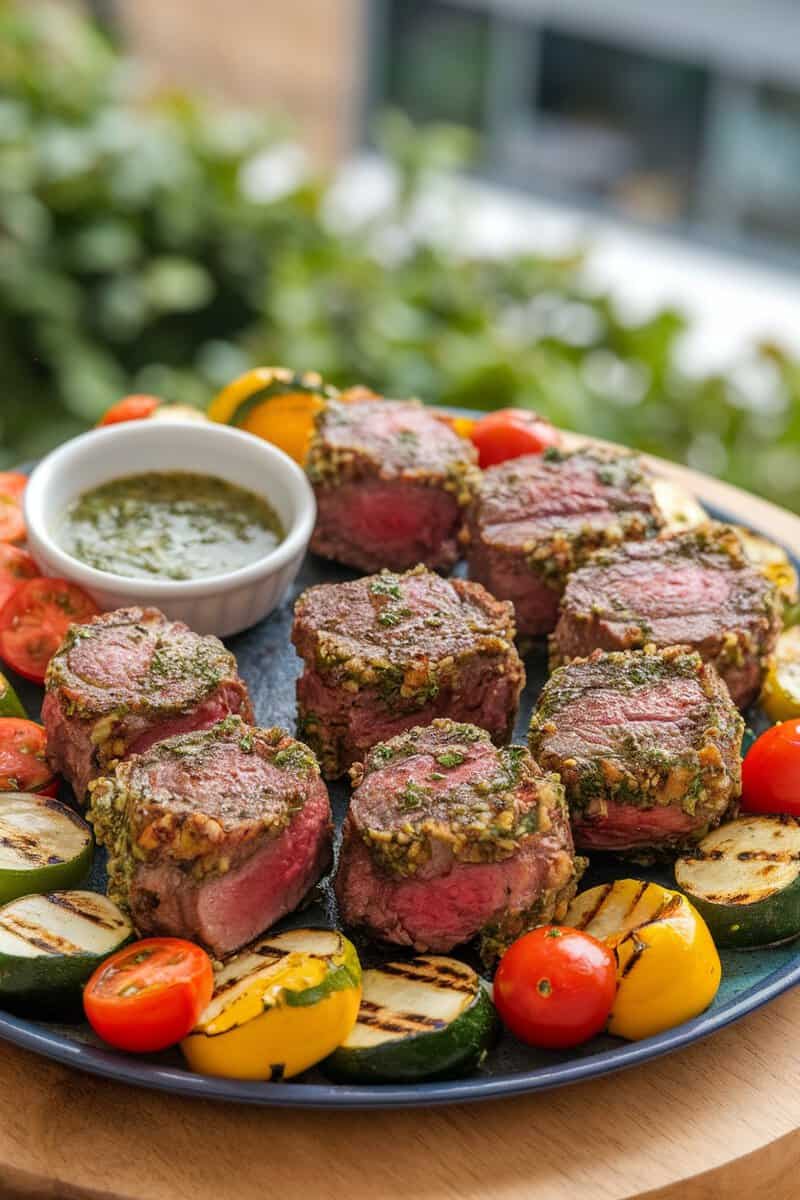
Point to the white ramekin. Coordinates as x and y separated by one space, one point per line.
221 604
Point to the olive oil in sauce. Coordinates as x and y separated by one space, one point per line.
169 525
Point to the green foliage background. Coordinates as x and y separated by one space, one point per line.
131 258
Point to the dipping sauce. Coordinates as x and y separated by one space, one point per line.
169 525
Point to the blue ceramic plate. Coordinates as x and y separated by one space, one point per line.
269 665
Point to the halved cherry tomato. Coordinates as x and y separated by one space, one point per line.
12 522
555 987
23 766
510 433
771 771
129 408
149 995
34 620
15 566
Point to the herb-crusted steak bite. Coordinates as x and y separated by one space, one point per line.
127 679
214 835
448 837
694 588
391 479
536 518
647 745
390 651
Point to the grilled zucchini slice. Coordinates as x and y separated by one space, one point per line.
780 695
430 1018
744 878
49 946
678 506
43 845
772 560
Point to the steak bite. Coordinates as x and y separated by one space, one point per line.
214 835
448 838
535 519
127 679
392 479
646 743
390 651
695 588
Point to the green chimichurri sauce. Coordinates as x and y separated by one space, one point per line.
169 525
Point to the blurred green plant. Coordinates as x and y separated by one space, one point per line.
134 257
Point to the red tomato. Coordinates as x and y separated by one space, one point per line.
554 987
129 408
13 483
15 566
149 995
23 766
510 433
771 771
33 622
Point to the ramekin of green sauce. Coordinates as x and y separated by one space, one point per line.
207 523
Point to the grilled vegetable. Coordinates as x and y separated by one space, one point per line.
772 560
744 879
429 1018
149 995
275 404
49 946
10 704
668 969
43 845
35 618
555 987
279 1006
780 696
679 508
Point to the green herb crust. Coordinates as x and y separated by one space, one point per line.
146 811
620 757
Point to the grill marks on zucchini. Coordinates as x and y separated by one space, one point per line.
43 845
429 1018
745 879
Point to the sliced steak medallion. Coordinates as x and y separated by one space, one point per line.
448 838
390 651
647 744
214 835
694 588
127 679
536 518
391 479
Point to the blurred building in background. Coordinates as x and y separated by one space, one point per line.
684 116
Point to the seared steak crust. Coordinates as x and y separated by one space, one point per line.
214 834
390 651
126 679
448 838
391 479
647 744
693 588
536 518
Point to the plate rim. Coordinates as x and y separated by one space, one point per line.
117 1065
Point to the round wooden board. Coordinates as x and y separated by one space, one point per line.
716 1120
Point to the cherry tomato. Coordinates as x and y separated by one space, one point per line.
34 620
771 771
23 766
150 994
15 566
12 522
510 433
554 987
129 408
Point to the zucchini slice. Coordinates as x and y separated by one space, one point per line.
430 1018
744 878
780 695
43 845
772 560
49 945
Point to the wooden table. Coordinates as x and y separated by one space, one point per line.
717 1120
